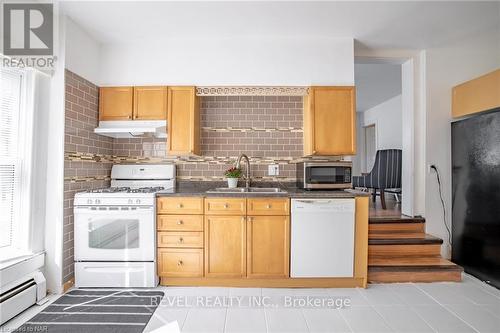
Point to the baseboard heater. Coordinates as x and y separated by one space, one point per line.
20 295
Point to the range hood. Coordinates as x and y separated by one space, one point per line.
132 128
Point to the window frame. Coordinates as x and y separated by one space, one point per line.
22 218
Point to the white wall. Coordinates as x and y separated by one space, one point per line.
388 126
387 119
447 66
230 61
82 52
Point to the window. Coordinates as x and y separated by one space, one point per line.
11 157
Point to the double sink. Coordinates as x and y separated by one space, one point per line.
260 190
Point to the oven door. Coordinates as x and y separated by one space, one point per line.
110 233
327 176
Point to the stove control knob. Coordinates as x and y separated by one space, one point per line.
138 201
89 201
130 201
97 201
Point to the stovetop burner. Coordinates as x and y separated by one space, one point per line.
109 190
145 189
126 190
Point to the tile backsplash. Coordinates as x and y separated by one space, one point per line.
266 128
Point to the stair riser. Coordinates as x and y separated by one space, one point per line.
388 228
427 276
404 250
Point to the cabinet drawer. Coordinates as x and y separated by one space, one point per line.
180 262
225 206
180 205
180 222
268 206
180 239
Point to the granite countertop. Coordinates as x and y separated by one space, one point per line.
199 188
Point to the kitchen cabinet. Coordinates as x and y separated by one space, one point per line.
268 246
150 103
180 262
133 103
180 237
225 246
330 121
116 103
183 121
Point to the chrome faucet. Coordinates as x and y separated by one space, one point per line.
238 165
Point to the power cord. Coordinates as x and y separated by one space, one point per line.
442 202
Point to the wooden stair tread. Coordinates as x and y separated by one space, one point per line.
405 235
394 219
427 239
401 262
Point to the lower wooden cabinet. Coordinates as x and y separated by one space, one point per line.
225 246
180 262
268 246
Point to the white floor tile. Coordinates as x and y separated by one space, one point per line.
353 294
245 320
285 320
441 320
443 293
164 316
245 291
205 320
381 296
212 291
493 309
325 320
322 292
475 316
411 295
403 319
478 295
364 319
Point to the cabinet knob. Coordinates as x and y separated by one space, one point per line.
180 263
181 240
129 117
180 222
250 219
180 205
268 206
226 205
314 152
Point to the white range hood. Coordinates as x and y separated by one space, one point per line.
132 128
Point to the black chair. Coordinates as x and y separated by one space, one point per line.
385 175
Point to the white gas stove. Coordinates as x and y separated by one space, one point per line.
115 229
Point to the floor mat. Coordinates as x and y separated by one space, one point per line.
96 311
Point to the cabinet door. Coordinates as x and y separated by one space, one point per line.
330 121
268 246
115 103
183 121
150 103
225 246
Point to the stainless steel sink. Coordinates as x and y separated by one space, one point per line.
263 190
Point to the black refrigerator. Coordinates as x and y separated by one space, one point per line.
476 195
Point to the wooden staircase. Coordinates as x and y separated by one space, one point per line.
399 250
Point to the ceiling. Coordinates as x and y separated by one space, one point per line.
374 25
376 83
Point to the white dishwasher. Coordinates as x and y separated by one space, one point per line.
322 238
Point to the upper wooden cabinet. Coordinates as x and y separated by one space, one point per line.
480 94
150 103
133 103
330 121
116 103
183 121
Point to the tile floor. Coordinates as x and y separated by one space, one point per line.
470 306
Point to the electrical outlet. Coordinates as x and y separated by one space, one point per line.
273 170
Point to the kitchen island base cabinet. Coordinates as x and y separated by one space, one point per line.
268 246
225 246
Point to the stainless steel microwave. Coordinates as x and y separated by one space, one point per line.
324 175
